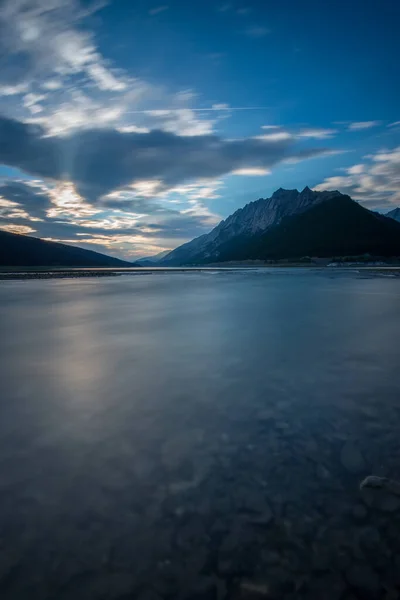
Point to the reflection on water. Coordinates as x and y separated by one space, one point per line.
199 435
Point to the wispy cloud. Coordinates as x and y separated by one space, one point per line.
316 133
50 38
252 172
257 31
359 125
15 228
374 183
158 9
395 124
213 107
277 136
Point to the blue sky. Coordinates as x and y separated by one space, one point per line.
130 127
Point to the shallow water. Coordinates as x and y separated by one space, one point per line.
181 436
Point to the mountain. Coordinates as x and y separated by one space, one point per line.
337 227
25 251
293 225
153 260
253 219
394 214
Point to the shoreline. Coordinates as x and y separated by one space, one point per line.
29 273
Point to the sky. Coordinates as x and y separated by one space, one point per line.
132 126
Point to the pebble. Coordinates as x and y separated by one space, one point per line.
388 485
381 493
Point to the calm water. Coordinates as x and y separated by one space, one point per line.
181 436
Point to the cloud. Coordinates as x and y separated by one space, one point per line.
130 246
48 53
158 9
277 136
220 107
182 121
78 112
224 7
252 172
40 38
11 210
98 161
123 218
316 133
375 183
310 132
52 84
13 90
15 228
359 125
31 197
257 31
395 124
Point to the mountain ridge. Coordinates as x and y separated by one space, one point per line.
263 224
18 250
394 214
253 218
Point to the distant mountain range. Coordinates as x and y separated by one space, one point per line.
394 214
292 225
25 251
289 225
152 260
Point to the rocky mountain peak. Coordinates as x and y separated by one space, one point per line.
306 191
282 193
253 219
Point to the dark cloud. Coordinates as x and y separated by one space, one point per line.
34 200
99 161
25 146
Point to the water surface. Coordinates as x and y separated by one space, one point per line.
181 435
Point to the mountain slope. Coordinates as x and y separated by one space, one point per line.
153 260
25 251
253 219
301 224
337 227
394 214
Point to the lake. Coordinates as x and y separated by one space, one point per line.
199 435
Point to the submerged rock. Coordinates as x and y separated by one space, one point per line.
252 504
381 493
373 481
